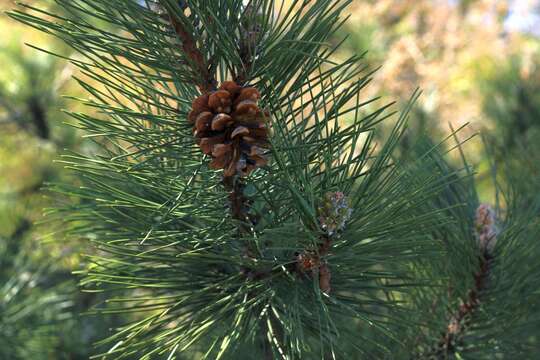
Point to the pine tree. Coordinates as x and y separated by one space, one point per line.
31 306
240 207
39 299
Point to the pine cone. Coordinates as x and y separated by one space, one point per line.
334 212
230 126
486 228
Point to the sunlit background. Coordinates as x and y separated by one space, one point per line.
476 61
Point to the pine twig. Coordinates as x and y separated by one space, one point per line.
458 321
238 202
249 37
207 82
334 213
486 232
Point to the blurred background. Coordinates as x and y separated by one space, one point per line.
476 61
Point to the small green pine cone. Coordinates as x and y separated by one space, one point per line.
334 212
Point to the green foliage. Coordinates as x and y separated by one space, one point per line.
512 103
29 88
501 324
39 304
29 310
192 280
39 300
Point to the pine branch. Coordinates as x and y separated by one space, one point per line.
152 201
460 320
487 237
251 33
197 60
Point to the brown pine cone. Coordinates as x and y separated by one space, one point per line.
230 126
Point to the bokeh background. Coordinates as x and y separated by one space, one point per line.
476 61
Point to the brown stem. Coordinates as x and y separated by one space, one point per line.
206 81
240 212
249 37
310 261
459 320
239 203
247 55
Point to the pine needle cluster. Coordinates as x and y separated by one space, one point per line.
332 248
